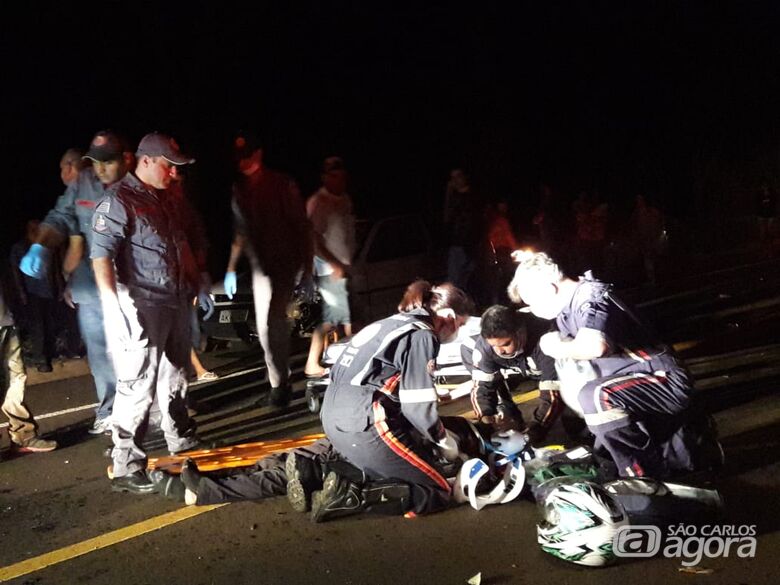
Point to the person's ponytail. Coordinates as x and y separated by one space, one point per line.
422 295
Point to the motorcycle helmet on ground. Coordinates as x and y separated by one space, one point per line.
479 485
580 521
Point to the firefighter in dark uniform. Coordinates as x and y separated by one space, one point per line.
146 274
499 352
380 410
638 404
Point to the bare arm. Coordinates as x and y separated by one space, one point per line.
105 277
236 249
74 254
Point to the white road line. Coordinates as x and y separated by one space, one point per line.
59 412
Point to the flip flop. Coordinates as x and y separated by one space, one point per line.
208 376
325 372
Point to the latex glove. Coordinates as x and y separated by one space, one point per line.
36 262
509 442
206 303
550 344
448 446
231 284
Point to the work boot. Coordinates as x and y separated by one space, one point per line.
34 445
136 483
342 497
338 497
304 477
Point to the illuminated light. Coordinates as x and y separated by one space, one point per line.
522 255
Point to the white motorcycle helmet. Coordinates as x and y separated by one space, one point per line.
468 488
580 521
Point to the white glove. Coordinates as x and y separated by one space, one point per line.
448 446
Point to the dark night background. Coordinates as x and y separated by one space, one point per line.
676 99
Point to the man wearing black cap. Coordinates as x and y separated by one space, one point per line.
271 227
72 218
146 274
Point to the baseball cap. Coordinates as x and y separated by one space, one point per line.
333 163
245 144
156 144
105 146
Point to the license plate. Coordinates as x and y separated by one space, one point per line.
233 316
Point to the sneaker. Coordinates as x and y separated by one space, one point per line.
169 485
190 475
101 426
338 497
303 479
35 445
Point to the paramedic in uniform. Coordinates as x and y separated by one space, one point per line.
72 218
380 410
146 274
501 349
638 405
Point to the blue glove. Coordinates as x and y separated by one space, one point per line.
509 442
231 284
206 303
36 262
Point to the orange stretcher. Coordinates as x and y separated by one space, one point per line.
242 455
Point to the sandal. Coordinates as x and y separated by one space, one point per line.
207 376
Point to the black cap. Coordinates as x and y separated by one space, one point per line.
105 146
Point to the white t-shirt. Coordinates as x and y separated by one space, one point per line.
331 217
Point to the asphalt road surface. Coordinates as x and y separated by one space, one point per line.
60 522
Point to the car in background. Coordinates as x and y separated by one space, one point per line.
392 252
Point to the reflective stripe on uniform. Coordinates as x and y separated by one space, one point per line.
417 395
480 376
400 449
357 380
599 418
602 391
549 385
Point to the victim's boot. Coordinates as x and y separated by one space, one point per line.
342 497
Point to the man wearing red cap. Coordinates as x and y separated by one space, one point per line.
146 274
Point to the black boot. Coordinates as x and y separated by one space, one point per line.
136 483
342 497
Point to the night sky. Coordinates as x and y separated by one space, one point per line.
621 97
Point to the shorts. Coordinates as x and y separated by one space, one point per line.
335 300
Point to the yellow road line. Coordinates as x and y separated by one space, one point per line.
134 530
104 540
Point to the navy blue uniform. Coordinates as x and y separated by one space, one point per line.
637 405
142 231
380 409
490 370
